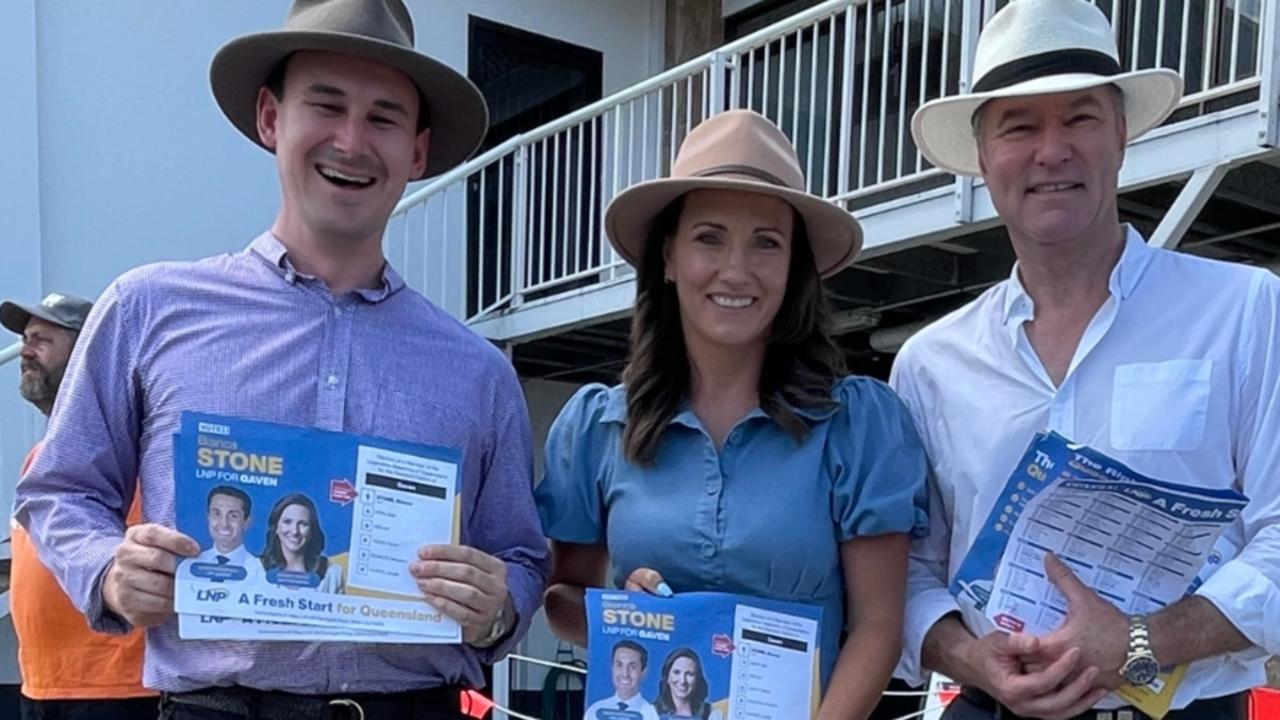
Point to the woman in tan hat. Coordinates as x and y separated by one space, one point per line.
737 456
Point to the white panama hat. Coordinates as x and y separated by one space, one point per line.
1041 47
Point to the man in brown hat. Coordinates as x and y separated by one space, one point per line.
310 326
1163 361
68 671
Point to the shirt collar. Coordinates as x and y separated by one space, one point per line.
1137 254
615 411
268 247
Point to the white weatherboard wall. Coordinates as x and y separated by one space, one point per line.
137 164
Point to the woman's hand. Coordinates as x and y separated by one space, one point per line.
647 580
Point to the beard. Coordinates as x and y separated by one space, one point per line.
41 388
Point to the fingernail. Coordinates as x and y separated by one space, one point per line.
664 590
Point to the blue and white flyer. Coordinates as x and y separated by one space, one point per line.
1138 542
707 655
308 527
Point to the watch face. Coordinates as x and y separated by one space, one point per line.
1141 670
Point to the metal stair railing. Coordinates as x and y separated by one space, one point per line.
842 79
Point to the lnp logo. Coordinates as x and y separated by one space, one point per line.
212 595
213 428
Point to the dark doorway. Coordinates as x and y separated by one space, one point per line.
528 80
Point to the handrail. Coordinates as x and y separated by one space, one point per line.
627 94
841 78
10 353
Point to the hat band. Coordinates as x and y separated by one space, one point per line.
747 170
1055 62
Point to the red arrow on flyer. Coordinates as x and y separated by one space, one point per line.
341 491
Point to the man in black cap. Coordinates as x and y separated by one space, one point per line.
68 671
48 331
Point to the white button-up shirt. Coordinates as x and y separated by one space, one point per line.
1177 376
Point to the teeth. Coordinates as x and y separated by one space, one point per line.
1054 187
331 173
731 302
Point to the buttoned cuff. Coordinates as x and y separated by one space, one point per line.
924 610
101 618
1249 599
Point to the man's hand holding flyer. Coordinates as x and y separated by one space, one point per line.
1140 543
308 534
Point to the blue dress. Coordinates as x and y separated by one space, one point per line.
765 516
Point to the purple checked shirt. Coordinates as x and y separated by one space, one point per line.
246 335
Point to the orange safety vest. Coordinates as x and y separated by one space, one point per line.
59 656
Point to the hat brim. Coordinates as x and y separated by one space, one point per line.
834 234
459 117
14 317
943 128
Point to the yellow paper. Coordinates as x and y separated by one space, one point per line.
1155 698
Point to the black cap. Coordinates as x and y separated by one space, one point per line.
66 311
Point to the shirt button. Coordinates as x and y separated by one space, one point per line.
344 686
337 311
735 437
333 380
708 550
288 276
713 488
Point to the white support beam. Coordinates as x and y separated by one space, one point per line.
502 682
1186 208
1269 77
560 313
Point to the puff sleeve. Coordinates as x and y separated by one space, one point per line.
570 497
876 463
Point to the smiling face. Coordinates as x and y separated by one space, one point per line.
293 529
729 259
344 133
1052 163
227 522
682 678
628 671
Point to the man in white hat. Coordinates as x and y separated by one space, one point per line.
1162 360
309 326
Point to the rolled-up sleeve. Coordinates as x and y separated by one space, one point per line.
505 522
74 498
928 599
1247 588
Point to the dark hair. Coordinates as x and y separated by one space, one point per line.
275 84
698 704
802 362
312 552
633 646
233 492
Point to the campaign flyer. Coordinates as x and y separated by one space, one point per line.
1138 542
309 527
212 627
716 656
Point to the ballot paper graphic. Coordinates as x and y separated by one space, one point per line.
1138 542
715 655
308 528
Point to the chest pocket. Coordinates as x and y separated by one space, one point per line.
400 416
1160 406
